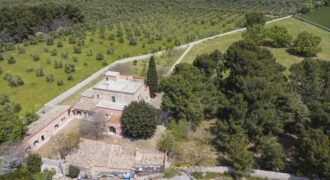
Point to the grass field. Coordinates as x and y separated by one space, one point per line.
293 25
139 68
320 16
36 91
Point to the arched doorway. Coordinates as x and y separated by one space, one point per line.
112 130
36 142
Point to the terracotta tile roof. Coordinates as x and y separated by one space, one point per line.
46 118
114 119
86 104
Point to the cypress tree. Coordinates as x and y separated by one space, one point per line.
152 78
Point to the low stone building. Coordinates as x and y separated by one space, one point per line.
40 131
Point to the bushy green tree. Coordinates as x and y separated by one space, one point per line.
208 62
279 36
306 44
59 44
152 77
306 7
314 154
33 163
99 56
256 33
73 171
39 72
50 41
11 125
139 120
238 156
254 18
11 60
166 142
272 155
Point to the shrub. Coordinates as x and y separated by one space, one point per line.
73 171
1 57
1 70
33 163
35 57
49 78
19 81
76 50
39 72
69 68
50 41
28 70
139 120
60 83
132 41
70 77
72 40
121 40
48 61
59 44
65 55
53 52
46 50
75 59
21 50
11 60
58 64
104 63
171 172
90 52
99 56
110 51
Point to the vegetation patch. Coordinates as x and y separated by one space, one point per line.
320 16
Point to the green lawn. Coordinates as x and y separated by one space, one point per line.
320 16
139 68
293 25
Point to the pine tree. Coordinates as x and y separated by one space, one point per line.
152 77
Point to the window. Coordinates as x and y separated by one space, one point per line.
98 96
42 137
113 98
63 119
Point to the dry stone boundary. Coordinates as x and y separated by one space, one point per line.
255 172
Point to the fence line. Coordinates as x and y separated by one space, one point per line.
310 22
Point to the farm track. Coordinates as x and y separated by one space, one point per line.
97 74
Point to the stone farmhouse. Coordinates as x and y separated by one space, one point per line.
108 97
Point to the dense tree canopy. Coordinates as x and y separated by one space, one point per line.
254 18
139 120
314 154
20 21
12 126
